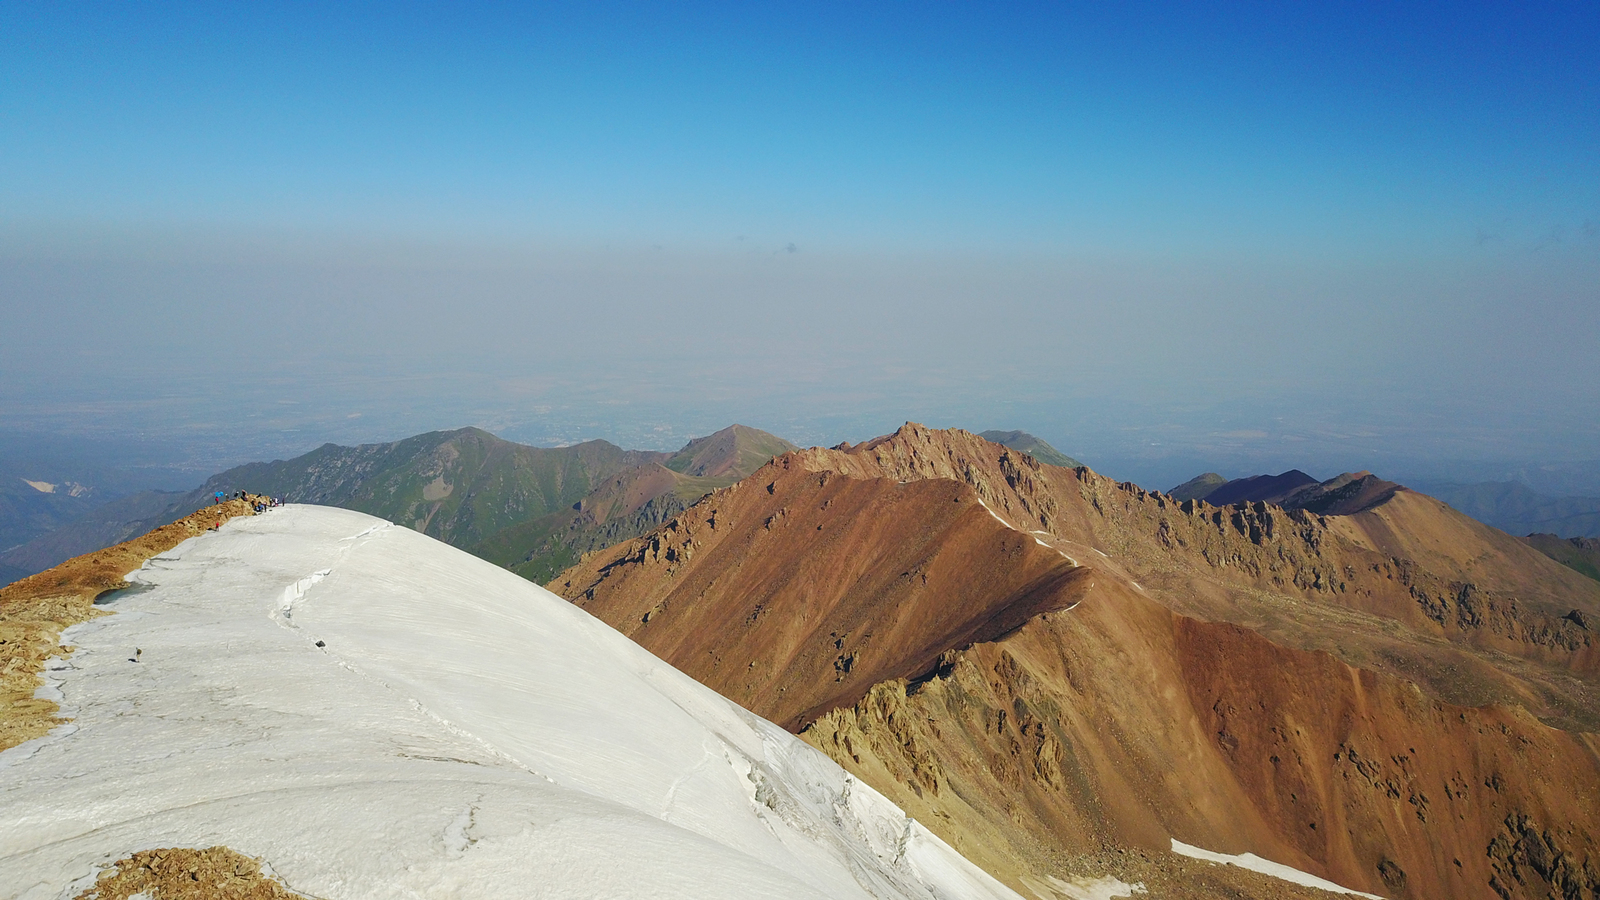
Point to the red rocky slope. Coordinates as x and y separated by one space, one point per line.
1044 664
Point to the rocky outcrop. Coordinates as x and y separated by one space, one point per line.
1123 725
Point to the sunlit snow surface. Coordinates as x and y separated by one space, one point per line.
462 734
1266 867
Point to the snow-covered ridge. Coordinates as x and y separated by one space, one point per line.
379 715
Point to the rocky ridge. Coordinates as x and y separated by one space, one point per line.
1357 695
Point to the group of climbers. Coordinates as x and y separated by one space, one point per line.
258 502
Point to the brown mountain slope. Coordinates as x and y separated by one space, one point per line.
827 594
1122 724
1133 707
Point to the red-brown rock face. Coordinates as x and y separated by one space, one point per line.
1042 664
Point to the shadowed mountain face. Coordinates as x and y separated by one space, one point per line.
1517 509
1264 488
1345 495
1043 664
1034 447
102 526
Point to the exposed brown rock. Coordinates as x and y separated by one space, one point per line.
804 585
1344 694
180 873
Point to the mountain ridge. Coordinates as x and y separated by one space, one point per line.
533 509
1033 446
1402 596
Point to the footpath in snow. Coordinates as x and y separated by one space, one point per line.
378 715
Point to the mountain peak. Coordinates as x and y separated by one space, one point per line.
1198 487
1264 488
736 450
1344 495
1033 446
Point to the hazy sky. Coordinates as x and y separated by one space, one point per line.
1164 237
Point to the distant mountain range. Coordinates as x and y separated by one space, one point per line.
1517 509
40 494
100 526
534 510
629 502
1059 674
1345 495
1507 505
1034 447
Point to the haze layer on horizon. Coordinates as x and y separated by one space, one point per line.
1163 238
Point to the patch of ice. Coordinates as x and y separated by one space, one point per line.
1266 867
1078 887
296 592
458 834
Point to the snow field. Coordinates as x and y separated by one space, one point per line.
460 733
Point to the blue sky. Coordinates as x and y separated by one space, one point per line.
1103 222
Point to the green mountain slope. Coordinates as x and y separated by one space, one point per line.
458 486
631 503
1198 487
535 510
1034 447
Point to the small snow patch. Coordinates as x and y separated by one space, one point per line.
458 834
1266 867
1063 555
1078 887
993 513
